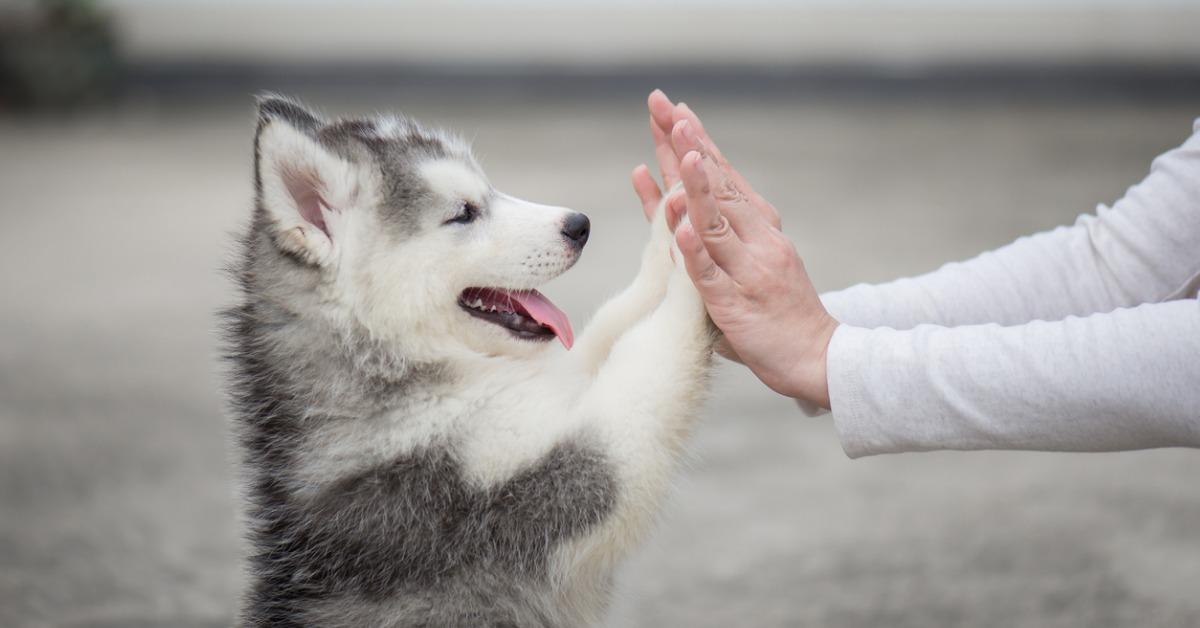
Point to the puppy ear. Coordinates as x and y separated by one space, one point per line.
302 185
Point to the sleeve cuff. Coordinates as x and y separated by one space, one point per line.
845 392
852 419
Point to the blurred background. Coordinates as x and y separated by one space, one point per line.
894 135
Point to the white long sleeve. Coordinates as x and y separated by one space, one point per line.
1127 379
1115 379
1145 249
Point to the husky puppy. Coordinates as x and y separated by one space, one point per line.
416 449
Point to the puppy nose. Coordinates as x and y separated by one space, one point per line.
576 228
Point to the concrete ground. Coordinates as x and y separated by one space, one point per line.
116 505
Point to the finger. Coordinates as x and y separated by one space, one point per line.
705 216
684 112
664 153
676 208
744 217
661 110
646 189
704 142
713 284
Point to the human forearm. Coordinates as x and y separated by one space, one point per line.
1144 249
1046 276
1121 380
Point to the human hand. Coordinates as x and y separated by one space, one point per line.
663 116
749 274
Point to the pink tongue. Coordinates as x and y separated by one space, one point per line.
546 313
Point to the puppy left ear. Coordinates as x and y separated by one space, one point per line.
303 186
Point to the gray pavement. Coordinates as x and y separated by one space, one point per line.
116 505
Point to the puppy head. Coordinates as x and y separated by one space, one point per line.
392 230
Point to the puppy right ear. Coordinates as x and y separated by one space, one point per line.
303 186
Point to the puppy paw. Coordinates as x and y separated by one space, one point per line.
658 258
681 290
662 222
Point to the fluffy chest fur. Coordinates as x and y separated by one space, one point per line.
408 459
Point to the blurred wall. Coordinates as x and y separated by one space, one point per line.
622 33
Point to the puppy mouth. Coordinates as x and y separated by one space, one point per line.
527 314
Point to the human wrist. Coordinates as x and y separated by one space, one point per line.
809 377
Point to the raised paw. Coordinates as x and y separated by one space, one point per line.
658 257
683 292
666 217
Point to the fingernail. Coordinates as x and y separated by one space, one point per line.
688 233
688 133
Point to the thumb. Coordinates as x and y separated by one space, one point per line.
714 286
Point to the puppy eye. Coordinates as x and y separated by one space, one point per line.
468 212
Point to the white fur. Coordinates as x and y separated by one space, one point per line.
632 385
288 152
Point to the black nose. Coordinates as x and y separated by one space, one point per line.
576 227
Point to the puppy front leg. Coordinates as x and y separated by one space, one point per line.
632 304
646 399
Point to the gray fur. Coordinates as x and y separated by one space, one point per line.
408 542
393 153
